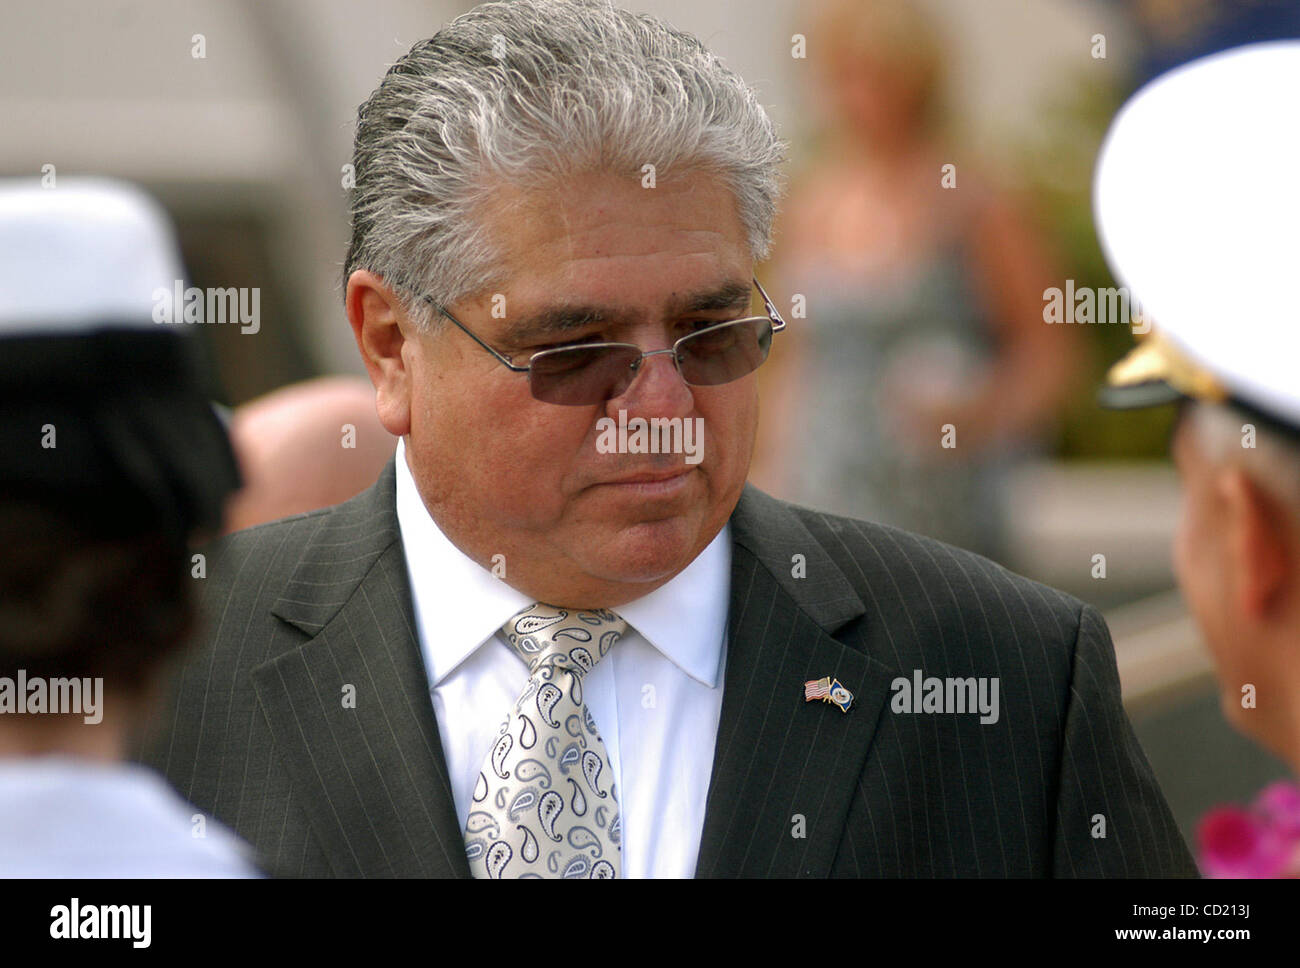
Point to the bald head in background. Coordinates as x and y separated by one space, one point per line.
306 446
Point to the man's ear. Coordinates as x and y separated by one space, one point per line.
1261 540
381 329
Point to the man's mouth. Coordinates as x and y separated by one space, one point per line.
665 483
651 477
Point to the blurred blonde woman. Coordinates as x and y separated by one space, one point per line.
924 302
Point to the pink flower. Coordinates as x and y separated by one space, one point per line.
1238 843
1279 803
1263 841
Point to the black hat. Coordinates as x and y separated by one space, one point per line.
103 409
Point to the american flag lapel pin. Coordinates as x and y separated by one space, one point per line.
828 690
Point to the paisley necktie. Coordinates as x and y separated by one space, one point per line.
545 804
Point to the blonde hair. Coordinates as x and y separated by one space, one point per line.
899 34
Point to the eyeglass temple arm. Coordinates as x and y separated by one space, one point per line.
505 360
777 318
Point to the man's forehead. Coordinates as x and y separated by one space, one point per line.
600 248
606 216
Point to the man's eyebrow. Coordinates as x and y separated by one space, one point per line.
731 295
558 320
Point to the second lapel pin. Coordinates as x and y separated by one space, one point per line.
828 690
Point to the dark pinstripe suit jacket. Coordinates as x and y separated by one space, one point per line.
256 731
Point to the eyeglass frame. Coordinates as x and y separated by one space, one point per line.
773 316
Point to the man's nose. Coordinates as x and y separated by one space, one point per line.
657 389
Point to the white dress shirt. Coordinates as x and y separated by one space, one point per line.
63 816
656 697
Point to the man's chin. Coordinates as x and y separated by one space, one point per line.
644 552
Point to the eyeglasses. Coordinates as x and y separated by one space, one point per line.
587 373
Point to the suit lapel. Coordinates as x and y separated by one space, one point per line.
785 770
350 708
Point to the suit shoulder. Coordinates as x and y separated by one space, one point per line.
297 526
259 552
918 587
300 568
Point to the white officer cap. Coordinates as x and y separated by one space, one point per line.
86 254
1196 198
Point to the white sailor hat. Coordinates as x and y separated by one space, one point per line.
1196 198
102 410
84 255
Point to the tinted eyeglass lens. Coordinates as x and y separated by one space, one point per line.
725 353
578 375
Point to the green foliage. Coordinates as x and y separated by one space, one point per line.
1054 172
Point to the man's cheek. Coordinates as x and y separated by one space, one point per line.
521 483
1188 567
1180 546
729 438
1199 576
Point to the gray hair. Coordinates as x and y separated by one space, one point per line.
529 92
1273 463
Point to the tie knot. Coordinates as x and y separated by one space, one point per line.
572 640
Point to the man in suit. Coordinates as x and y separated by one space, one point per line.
544 645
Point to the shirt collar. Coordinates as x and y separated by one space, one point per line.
470 604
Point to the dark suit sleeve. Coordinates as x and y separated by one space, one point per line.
1111 819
